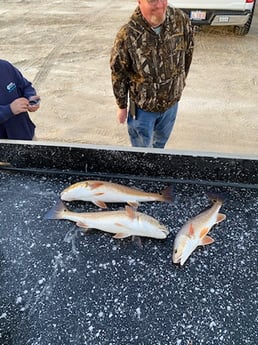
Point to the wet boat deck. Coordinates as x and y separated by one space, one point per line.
60 285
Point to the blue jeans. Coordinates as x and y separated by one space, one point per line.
151 129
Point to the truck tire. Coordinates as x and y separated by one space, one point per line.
243 30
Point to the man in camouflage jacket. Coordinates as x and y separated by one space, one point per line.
150 60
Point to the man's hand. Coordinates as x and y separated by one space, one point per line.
122 115
34 107
19 105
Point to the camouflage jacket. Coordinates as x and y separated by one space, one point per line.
152 67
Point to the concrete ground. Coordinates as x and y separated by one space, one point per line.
63 47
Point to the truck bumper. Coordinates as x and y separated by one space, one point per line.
230 19
218 17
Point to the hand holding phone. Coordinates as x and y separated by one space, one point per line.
34 100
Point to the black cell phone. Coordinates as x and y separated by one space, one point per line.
132 109
34 101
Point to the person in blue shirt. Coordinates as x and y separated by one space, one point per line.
17 98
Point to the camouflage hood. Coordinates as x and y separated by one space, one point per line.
152 67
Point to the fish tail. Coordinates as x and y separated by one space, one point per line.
168 194
131 212
56 212
214 197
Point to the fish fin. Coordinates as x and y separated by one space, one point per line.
130 212
121 235
82 225
191 230
204 232
213 196
97 194
56 211
137 240
220 217
119 224
100 204
168 194
134 204
207 240
96 184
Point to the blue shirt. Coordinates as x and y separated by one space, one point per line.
12 86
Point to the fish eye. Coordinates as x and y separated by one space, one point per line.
175 251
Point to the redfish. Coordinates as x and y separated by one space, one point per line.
102 192
122 223
194 232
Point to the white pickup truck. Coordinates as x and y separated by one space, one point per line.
237 13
